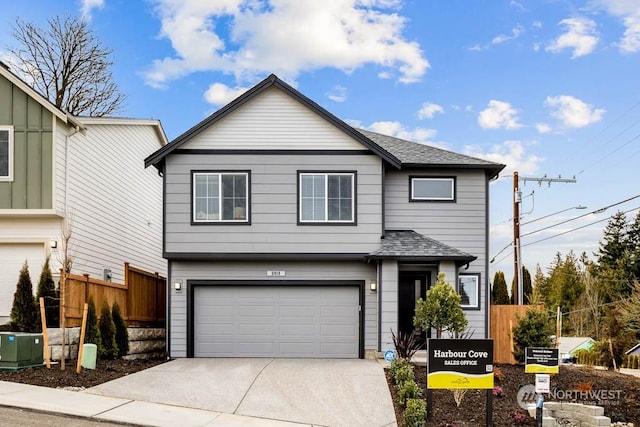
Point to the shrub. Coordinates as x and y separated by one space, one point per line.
92 334
107 333
441 309
122 333
532 330
408 390
519 418
25 316
415 413
47 290
406 344
397 364
404 374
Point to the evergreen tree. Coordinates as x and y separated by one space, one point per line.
501 294
107 333
527 289
633 246
92 334
441 309
615 243
25 315
540 285
122 333
615 258
532 330
47 290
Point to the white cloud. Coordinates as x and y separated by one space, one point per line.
515 33
220 94
510 153
516 5
573 112
543 128
87 7
536 24
397 129
285 37
429 110
498 115
629 11
338 94
581 37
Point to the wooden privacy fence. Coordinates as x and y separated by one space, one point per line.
503 318
141 298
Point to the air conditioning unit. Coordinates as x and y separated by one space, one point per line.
20 350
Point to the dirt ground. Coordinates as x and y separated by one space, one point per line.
623 404
55 378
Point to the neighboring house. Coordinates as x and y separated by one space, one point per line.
633 351
290 233
567 346
87 172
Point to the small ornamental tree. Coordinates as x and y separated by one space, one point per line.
440 310
92 334
25 316
532 330
47 290
500 292
107 333
122 333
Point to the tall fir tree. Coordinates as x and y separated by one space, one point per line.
47 290
25 316
527 289
540 288
500 292
615 271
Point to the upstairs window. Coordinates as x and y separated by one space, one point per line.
469 290
432 189
6 153
220 197
327 197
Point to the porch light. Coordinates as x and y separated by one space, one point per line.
53 244
177 285
373 286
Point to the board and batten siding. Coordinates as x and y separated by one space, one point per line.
32 184
257 270
462 225
114 204
273 206
273 120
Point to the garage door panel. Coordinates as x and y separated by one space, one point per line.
276 321
12 258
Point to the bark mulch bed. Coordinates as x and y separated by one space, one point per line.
473 408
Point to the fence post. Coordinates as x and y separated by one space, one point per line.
155 296
127 281
86 285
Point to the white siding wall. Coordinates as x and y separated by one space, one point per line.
273 207
462 225
257 270
114 203
274 120
59 139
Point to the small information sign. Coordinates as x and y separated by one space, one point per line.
389 355
276 273
541 360
543 383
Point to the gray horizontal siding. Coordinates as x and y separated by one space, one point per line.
312 270
273 207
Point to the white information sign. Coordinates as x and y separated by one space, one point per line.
276 273
543 383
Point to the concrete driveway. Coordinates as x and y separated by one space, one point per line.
320 392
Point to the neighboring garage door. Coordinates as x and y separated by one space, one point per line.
276 321
12 258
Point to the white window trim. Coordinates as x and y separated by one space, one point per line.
9 177
475 304
452 181
326 198
220 198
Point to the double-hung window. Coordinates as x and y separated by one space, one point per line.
326 197
432 189
220 197
6 153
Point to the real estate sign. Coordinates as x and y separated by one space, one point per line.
541 360
460 363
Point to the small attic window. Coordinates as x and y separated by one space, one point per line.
432 189
6 153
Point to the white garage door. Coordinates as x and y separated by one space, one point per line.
276 321
12 257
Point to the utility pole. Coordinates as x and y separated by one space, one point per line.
517 255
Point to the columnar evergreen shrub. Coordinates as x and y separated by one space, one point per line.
107 333
122 333
25 315
47 290
92 334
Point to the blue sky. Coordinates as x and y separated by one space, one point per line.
545 87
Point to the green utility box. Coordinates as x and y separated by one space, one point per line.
20 350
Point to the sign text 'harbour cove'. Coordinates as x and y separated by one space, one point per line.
460 364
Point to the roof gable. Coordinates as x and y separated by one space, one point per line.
272 81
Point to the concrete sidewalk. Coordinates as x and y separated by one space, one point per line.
227 392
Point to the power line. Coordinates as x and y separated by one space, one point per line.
613 151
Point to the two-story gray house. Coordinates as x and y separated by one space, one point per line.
289 233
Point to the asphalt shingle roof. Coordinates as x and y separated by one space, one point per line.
409 244
413 153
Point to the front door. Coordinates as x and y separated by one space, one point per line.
411 287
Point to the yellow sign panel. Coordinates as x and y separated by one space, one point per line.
534 368
457 380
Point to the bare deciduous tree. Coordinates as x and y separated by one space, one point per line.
68 64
